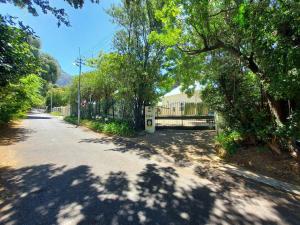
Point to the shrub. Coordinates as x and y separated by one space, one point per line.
229 141
115 127
71 119
17 98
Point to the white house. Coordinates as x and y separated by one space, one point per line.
177 96
178 103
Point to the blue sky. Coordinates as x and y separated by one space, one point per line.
91 30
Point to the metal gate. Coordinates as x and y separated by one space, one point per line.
184 115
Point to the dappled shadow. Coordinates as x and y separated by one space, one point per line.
181 145
13 133
235 191
123 145
48 194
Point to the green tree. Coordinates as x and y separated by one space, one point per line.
16 55
17 98
50 68
60 97
19 73
141 61
262 36
99 84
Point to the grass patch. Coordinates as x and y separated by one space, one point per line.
115 127
55 113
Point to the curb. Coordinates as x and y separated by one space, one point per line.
283 186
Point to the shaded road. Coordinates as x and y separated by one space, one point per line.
68 175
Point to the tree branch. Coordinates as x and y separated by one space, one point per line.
206 48
221 11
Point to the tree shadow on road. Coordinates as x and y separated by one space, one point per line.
123 145
235 190
180 145
13 133
32 117
48 194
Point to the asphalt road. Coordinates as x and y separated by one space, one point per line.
68 175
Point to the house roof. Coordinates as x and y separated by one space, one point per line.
177 90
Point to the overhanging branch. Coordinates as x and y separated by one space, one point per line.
206 48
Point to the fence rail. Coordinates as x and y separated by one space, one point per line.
63 110
201 117
184 115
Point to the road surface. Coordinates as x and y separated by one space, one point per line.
68 175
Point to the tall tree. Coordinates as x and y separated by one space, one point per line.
50 68
141 59
264 36
16 55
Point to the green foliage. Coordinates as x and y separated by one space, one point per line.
114 127
17 98
50 68
291 129
139 76
16 55
20 87
132 73
246 53
60 97
229 141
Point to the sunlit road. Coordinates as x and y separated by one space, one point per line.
69 175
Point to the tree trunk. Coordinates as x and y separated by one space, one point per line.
274 146
138 116
279 109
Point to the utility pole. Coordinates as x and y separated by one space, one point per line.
51 94
79 63
51 99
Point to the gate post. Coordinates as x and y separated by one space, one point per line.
150 119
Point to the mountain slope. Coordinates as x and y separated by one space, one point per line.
64 79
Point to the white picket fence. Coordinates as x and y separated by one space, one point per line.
63 110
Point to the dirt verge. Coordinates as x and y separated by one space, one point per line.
282 167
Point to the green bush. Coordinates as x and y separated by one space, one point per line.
59 97
17 98
71 119
229 141
115 127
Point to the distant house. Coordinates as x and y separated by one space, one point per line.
178 103
176 95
